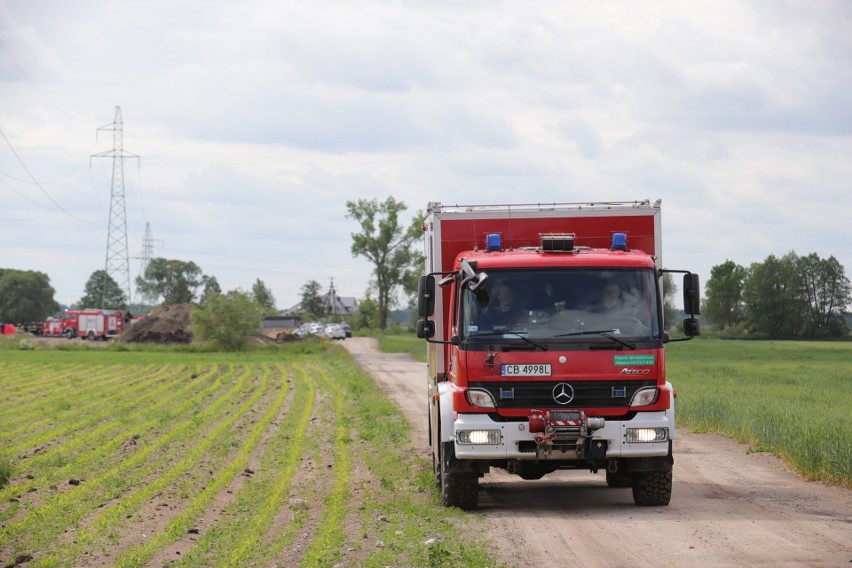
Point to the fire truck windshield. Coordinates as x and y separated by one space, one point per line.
563 304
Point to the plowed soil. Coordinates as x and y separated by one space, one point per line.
729 507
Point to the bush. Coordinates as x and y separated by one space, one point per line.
227 321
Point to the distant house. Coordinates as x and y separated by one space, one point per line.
337 307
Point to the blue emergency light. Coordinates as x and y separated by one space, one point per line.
619 241
492 242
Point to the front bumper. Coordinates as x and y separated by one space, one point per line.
515 438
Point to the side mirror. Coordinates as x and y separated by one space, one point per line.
691 294
426 297
425 329
691 327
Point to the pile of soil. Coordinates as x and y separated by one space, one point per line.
278 335
166 324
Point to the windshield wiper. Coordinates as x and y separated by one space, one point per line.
519 334
603 333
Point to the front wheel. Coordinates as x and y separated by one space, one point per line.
652 488
458 488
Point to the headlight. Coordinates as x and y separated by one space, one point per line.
645 396
644 435
478 437
481 398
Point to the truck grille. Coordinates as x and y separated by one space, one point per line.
539 394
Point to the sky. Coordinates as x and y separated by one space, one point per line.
255 121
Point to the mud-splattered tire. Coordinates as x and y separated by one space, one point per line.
652 488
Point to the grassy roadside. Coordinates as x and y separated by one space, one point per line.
790 398
213 459
403 343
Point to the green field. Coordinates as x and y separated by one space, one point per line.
164 457
791 398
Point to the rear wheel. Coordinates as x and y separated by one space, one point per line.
652 488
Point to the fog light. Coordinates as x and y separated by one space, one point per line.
644 435
478 437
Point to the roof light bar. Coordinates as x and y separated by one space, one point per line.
492 242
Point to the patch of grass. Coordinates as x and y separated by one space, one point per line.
404 343
791 398
6 471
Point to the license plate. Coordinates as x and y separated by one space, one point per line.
527 370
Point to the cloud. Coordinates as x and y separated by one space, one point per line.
256 121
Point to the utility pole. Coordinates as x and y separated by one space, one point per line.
117 257
333 295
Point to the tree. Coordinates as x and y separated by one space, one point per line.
227 321
385 243
103 292
25 296
724 302
825 290
211 288
367 314
312 300
176 281
773 304
263 296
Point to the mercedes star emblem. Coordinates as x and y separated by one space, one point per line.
563 393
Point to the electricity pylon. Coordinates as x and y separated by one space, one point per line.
117 257
147 249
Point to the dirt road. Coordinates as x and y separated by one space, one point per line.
728 507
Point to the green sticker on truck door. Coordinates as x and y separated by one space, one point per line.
633 360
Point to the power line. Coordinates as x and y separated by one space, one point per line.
38 184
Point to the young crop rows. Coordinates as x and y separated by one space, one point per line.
284 462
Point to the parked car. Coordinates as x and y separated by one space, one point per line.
346 328
301 331
335 331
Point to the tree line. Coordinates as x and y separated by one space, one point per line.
791 296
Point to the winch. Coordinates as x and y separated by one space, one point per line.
562 431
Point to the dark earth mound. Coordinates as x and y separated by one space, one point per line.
166 324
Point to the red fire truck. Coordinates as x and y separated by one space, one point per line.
91 324
546 343
53 327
